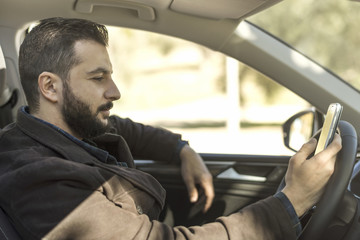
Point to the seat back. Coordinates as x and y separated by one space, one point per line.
7 231
4 90
8 98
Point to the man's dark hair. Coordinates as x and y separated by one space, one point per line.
50 47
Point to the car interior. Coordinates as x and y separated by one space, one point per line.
6 229
7 98
239 179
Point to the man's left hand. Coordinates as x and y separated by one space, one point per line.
194 171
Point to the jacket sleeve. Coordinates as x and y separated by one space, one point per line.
260 221
146 141
77 202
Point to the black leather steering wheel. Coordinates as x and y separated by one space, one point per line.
335 189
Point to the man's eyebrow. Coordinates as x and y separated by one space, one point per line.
99 70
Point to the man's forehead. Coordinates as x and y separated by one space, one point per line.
93 56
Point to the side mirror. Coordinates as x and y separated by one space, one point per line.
301 127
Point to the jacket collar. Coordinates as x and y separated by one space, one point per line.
55 139
50 136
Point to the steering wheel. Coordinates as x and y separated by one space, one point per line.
335 189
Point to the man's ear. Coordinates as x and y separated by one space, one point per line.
50 86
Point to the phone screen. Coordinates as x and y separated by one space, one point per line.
330 125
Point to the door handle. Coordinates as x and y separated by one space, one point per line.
231 174
144 12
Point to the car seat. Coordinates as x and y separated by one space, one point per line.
8 98
7 231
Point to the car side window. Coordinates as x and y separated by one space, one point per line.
218 104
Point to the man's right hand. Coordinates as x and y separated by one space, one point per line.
306 178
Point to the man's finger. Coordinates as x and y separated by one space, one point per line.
331 150
192 191
303 153
307 148
209 194
335 146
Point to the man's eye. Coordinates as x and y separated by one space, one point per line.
98 78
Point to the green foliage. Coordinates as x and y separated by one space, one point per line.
326 31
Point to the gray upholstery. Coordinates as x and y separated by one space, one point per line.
6 229
8 98
5 93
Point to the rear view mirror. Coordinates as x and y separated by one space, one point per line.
300 128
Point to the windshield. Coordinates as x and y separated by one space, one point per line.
325 31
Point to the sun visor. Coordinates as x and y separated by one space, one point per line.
221 9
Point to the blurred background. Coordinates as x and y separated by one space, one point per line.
217 103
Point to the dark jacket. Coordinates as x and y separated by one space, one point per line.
52 188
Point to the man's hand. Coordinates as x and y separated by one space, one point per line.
306 178
194 171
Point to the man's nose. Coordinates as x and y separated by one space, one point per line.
112 92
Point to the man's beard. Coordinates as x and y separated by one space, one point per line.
78 116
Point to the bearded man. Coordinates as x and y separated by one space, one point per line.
67 169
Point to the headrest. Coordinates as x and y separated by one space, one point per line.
2 71
5 93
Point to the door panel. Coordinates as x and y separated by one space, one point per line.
239 180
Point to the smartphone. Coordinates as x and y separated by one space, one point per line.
330 125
